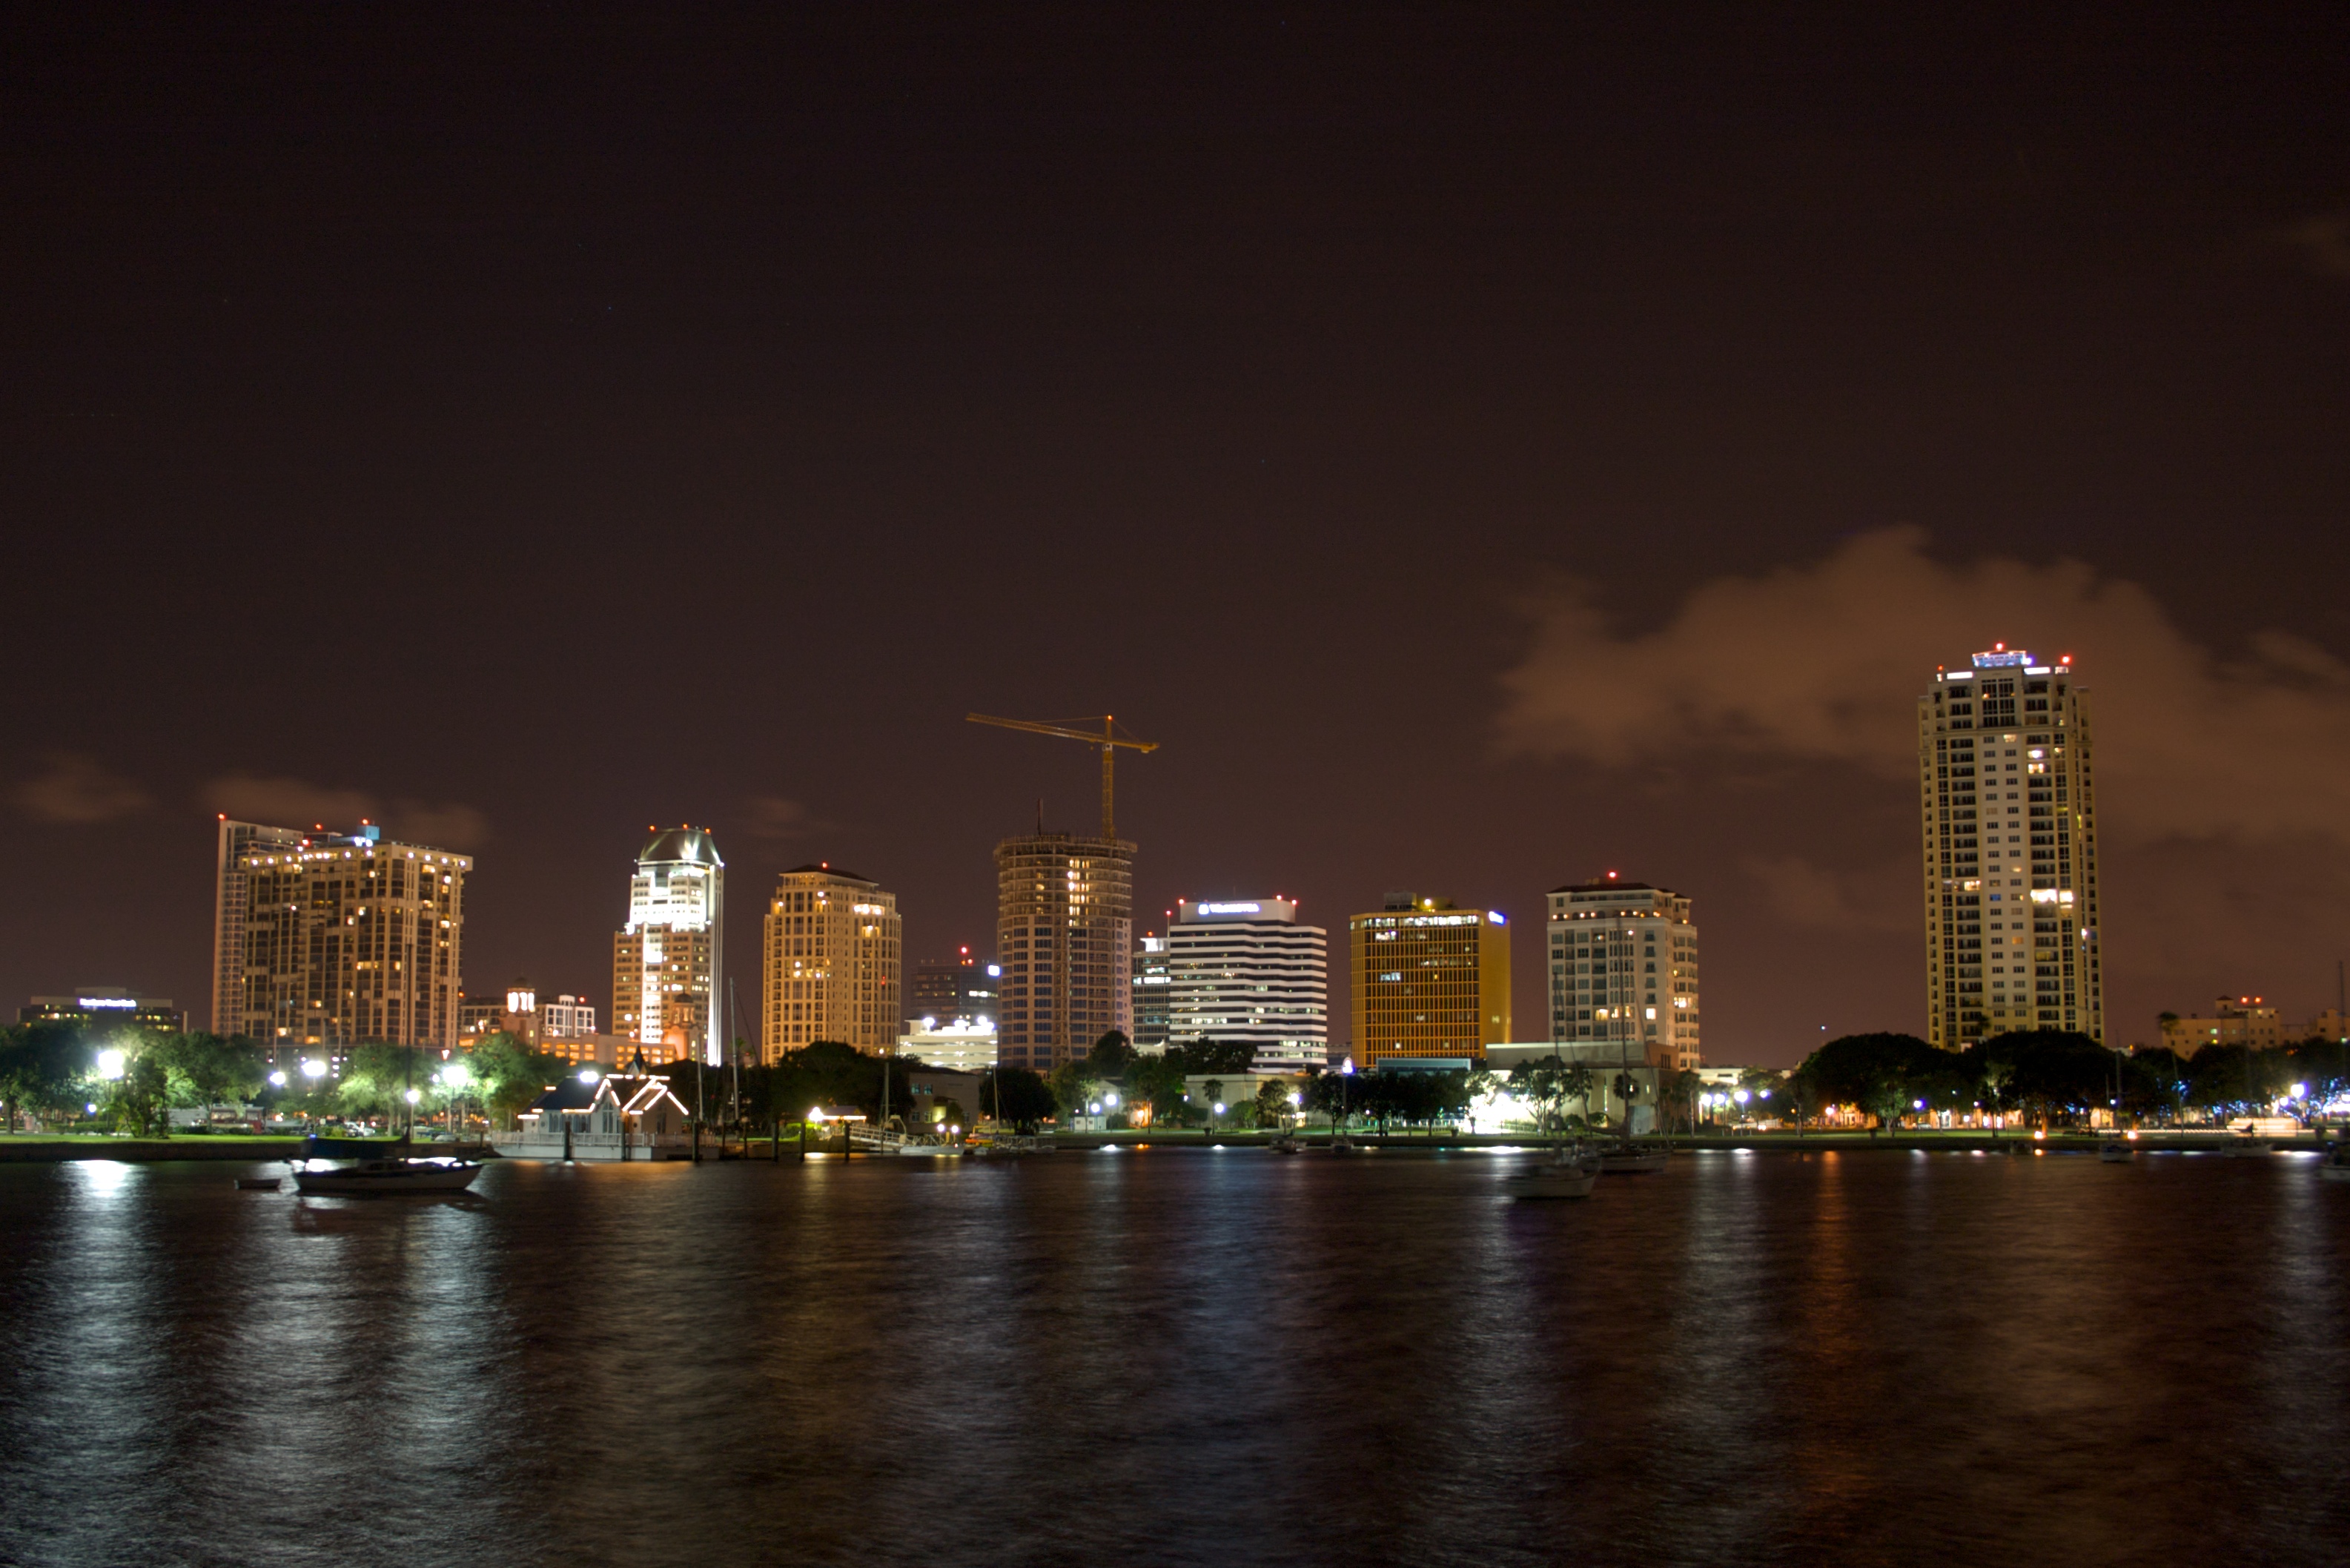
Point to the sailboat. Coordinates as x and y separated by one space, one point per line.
382 1166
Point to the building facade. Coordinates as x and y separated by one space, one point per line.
1065 936
833 966
1429 981
961 1046
1148 978
961 987
2007 808
1246 970
237 840
93 1005
350 939
667 962
2235 1021
1623 967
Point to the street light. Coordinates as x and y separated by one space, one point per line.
277 1079
314 1069
111 1064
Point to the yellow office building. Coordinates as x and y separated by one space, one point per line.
1429 981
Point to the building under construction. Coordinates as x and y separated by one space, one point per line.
1065 921
1065 932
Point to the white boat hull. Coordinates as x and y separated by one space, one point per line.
387 1175
1555 1181
1643 1163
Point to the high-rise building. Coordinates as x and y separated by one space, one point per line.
1430 980
2007 808
943 990
1148 980
1245 970
237 840
1065 935
834 969
1623 967
352 938
667 993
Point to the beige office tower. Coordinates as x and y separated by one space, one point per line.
1623 967
667 960
237 840
352 939
835 968
2007 803
1065 935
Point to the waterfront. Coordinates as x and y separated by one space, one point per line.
1181 1356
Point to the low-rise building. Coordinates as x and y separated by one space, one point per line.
2234 1021
958 1046
105 1004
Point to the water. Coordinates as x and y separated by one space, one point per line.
1181 1356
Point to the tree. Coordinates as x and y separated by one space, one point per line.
141 1097
508 1075
1271 1102
1074 1085
1017 1095
1110 1058
1225 1058
1544 1083
1878 1073
45 1068
210 1069
1157 1082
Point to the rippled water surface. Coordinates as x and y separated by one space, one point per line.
1182 1356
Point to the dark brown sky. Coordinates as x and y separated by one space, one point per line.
535 427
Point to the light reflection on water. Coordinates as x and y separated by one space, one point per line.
1180 1357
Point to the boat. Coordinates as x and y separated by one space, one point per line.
1341 1144
370 1177
2250 1148
2336 1165
1287 1144
1629 1160
258 1183
2114 1151
1563 1177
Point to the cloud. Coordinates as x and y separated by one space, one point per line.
1807 895
1823 663
772 817
2323 241
79 790
298 802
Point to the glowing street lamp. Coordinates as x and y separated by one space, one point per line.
314 1069
277 1079
111 1064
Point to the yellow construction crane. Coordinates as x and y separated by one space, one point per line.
1110 738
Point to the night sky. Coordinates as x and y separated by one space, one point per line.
1486 446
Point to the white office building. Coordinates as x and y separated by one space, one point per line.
1246 970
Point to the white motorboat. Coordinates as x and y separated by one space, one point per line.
1287 1144
1562 1177
1341 1144
2336 1165
368 1177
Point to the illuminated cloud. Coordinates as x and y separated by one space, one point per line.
298 802
774 818
1806 894
78 790
1822 663
2323 242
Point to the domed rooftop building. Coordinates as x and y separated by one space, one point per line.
666 961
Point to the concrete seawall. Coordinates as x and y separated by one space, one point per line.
140 1150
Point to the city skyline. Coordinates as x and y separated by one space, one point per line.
1481 457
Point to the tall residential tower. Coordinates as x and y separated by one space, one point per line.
1065 934
237 840
1623 967
667 962
2007 809
352 938
834 969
